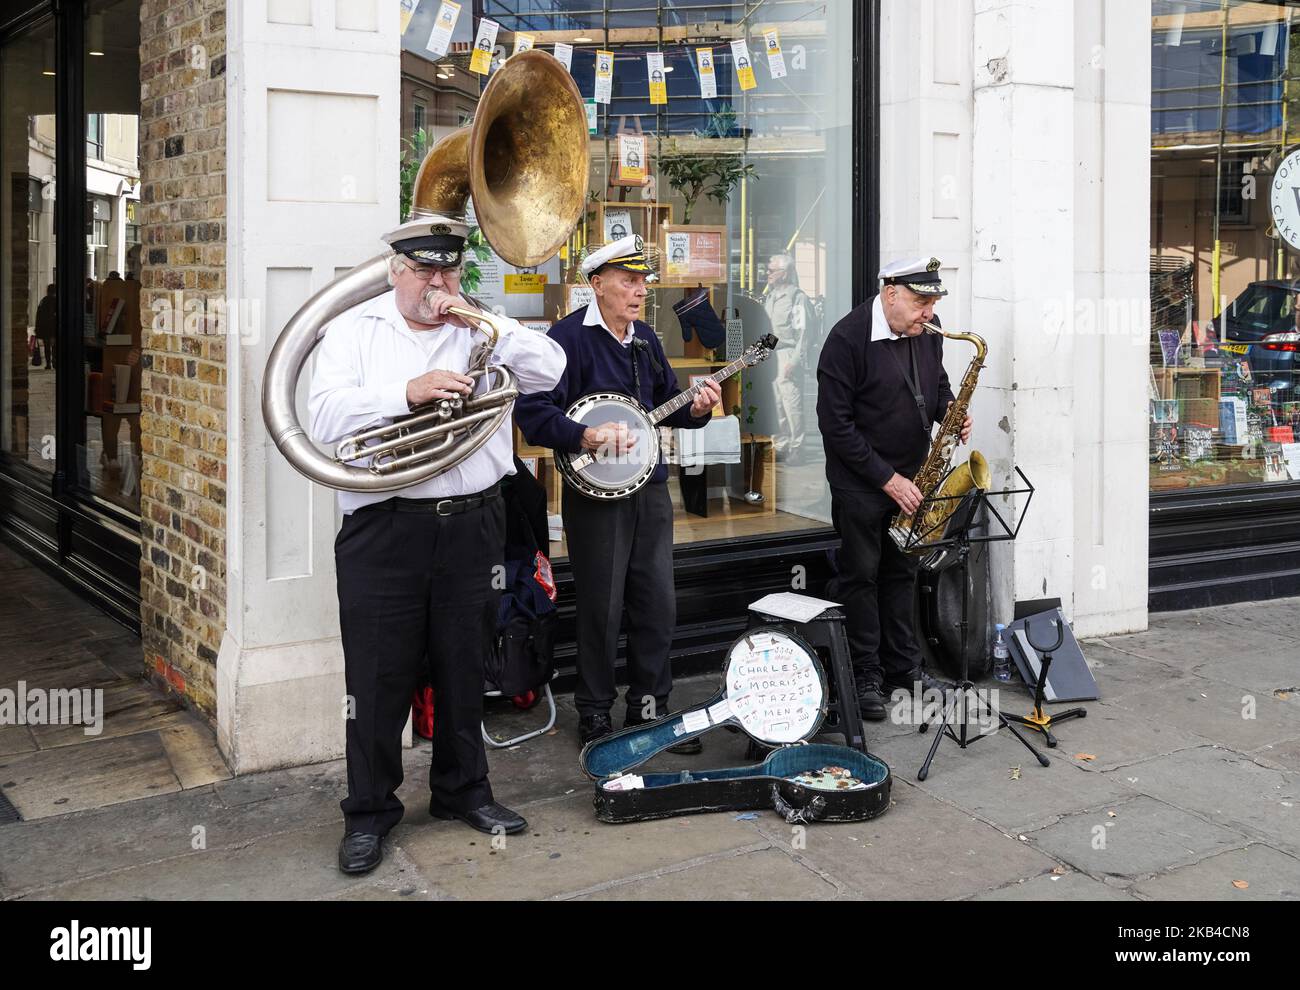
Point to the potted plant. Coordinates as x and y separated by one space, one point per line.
696 174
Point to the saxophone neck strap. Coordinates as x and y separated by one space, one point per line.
913 381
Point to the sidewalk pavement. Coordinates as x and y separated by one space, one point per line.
1182 782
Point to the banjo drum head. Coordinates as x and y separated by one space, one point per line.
775 687
616 473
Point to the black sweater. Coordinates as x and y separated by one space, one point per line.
869 422
599 363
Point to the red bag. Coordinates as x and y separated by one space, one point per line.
422 712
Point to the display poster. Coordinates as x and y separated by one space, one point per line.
440 38
744 66
708 78
484 43
775 60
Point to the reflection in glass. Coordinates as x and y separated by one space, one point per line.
109 464
735 178
29 345
1225 113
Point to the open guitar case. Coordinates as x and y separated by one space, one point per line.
621 796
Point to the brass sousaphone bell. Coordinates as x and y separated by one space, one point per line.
525 162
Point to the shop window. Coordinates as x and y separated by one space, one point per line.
1224 397
741 193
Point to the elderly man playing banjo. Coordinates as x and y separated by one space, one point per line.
621 548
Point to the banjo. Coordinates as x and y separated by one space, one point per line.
607 474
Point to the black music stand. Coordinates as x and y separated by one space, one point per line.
951 548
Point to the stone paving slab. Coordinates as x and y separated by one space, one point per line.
308 856
72 847
764 875
74 778
1281 756
564 851
921 849
16 739
1225 788
1067 886
1217 711
1270 874
1133 839
1119 673
1115 737
979 779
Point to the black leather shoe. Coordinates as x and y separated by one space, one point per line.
360 852
691 747
593 727
871 704
928 683
491 818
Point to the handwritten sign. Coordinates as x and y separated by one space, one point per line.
774 687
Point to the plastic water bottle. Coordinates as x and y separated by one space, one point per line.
1001 658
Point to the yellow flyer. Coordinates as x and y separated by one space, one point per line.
481 61
524 42
744 67
533 284
408 11
631 158
708 78
654 62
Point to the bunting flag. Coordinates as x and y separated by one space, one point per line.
744 67
408 11
440 38
654 62
481 60
604 77
564 55
775 60
708 78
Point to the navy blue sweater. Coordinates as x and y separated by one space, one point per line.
869 421
599 363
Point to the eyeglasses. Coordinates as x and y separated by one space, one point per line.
425 272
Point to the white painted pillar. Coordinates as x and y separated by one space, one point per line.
1023 229
313 133
1111 314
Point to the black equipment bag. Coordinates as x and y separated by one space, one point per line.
523 656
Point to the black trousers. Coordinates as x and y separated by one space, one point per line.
877 584
622 556
416 599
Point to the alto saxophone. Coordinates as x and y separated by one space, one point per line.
936 480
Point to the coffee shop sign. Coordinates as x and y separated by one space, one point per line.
1285 197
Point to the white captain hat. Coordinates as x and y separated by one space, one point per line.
921 275
627 253
431 239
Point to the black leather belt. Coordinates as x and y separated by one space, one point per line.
439 506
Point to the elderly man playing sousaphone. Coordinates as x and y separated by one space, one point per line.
415 566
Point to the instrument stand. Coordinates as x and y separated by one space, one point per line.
953 549
1039 720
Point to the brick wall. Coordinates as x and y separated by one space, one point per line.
183 200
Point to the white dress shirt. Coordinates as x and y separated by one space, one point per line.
880 329
595 318
364 362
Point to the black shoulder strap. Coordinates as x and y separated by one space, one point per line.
913 380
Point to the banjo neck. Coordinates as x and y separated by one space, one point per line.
661 413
